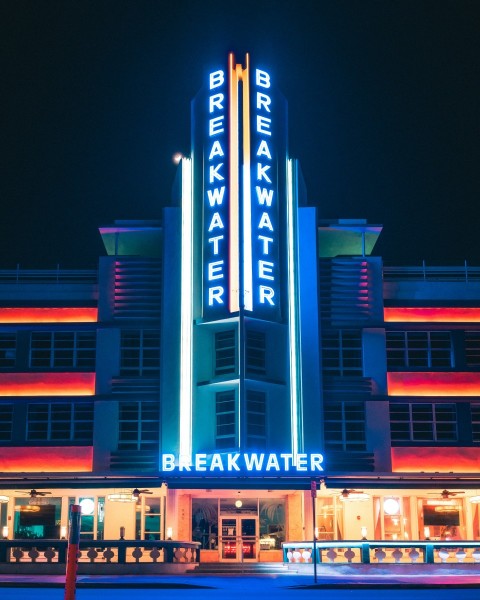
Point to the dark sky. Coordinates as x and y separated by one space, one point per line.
383 102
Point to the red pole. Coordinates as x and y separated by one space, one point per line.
72 552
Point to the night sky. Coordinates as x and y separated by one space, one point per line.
383 105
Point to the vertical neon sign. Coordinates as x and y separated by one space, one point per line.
240 194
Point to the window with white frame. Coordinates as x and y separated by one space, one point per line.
8 350
6 422
138 425
225 352
225 409
342 353
255 355
140 352
475 412
423 422
344 425
419 349
60 421
472 348
62 350
256 420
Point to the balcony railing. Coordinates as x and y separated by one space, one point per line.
465 273
370 552
57 275
18 553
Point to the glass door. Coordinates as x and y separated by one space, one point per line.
239 539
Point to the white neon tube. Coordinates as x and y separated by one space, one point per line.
186 316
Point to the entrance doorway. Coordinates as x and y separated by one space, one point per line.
238 539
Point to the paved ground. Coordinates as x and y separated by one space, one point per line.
384 585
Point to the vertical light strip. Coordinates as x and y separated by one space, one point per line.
247 193
294 336
234 266
186 316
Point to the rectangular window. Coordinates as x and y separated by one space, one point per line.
256 420
472 348
62 350
422 422
60 421
8 350
140 352
225 419
419 349
255 352
342 353
345 425
138 425
225 352
475 408
6 422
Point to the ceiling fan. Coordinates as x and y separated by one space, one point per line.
33 493
445 494
136 493
346 493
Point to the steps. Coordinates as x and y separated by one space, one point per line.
241 569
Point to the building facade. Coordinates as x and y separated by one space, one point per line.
229 363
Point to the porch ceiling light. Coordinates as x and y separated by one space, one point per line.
4 499
121 496
355 497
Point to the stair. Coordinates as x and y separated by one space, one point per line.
241 569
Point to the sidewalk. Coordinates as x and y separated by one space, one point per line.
328 577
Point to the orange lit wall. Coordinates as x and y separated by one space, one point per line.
431 315
433 384
48 315
47 384
51 459
438 459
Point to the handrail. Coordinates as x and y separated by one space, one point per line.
170 547
430 549
57 275
463 273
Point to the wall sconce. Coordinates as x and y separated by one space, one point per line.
363 531
5 532
122 533
316 533
169 533
63 532
426 533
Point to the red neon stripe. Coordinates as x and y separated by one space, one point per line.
50 459
433 384
431 315
48 315
47 384
435 460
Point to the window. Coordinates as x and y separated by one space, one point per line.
342 353
255 352
225 351
60 421
423 422
138 425
256 420
472 348
344 425
6 422
62 350
419 349
8 348
475 408
140 352
225 416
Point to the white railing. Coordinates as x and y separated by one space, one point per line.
370 552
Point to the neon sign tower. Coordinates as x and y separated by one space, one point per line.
241 290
